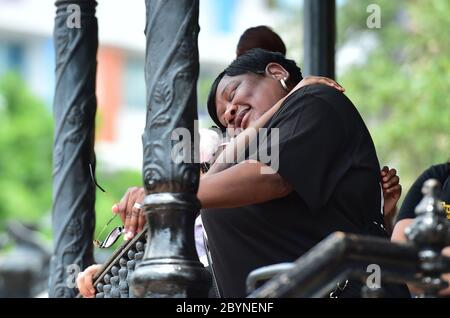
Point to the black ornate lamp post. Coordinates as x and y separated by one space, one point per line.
170 267
75 36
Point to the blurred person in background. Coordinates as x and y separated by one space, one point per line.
262 37
406 215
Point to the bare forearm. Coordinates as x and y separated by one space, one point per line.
241 185
389 220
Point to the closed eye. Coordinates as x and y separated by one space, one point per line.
232 94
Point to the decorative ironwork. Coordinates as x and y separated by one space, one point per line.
170 267
342 256
337 258
74 112
430 232
331 262
113 280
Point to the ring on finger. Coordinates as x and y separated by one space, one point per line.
135 213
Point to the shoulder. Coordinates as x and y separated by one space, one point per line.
320 92
322 97
305 97
439 172
315 102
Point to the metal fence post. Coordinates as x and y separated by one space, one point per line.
170 267
76 42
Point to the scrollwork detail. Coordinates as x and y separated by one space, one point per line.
154 166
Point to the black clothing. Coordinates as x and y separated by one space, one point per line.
327 155
442 174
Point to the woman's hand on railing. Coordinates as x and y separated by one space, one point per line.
131 211
85 281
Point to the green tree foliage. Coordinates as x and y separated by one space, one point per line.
25 153
403 87
115 183
26 140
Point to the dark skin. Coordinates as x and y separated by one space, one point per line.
255 95
243 102
392 190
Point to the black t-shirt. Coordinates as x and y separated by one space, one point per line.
439 172
327 155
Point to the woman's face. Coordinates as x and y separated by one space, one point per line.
242 99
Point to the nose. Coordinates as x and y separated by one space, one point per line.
230 113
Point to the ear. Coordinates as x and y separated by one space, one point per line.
276 71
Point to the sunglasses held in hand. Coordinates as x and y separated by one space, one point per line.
112 237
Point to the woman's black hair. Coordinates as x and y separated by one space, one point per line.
254 61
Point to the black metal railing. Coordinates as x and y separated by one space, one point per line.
418 262
113 278
341 256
